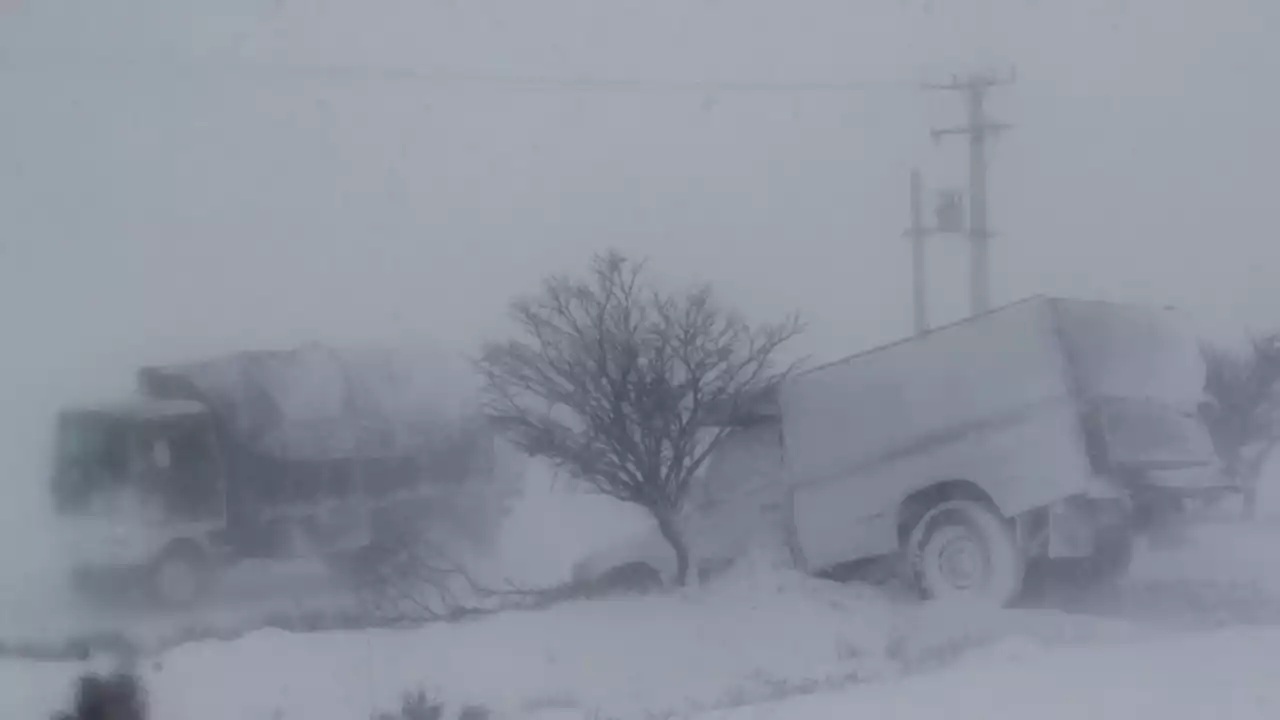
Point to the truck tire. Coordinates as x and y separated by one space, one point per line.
963 550
180 576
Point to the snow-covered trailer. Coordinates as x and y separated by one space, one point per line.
1049 428
269 455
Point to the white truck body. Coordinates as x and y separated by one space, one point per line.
1033 404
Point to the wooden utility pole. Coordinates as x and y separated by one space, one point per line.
978 128
918 233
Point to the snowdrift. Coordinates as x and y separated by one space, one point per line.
758 634
1226 674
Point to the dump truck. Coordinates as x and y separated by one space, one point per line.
1047 431
314 452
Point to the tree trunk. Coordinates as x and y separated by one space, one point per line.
675 538
1252 475
1250 505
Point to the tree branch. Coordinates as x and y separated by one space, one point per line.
614 379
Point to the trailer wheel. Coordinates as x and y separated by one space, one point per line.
964 550
180 576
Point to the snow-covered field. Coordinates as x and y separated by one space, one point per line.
766 643
1226 674
759 634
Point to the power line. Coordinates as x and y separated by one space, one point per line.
918 234
472 79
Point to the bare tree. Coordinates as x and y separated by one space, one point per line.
1242 410
616 382
415 582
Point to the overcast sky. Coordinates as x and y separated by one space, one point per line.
179 178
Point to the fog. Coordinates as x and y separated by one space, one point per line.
179 179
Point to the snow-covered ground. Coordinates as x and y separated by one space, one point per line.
736 649
1226 674
1223 574
757 635
1204 641
765 643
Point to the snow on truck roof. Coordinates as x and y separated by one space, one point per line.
1041 299
318 402
764 405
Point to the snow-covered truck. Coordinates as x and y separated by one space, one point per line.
308 453
1050 429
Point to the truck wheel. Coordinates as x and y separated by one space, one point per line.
963 550
180 576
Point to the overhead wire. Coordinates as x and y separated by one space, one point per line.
470 79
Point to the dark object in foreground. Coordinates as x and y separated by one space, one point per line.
115 697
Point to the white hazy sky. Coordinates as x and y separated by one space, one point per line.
181 177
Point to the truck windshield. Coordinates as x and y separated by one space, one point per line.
91 454
101 458
94 444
